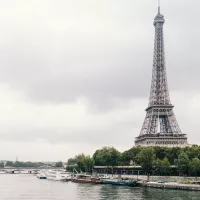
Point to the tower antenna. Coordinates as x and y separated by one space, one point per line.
158 6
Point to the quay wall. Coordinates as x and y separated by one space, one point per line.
177 179
173 186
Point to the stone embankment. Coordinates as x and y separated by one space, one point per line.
177 179
173 186
170 182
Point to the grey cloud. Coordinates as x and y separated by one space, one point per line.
95 135
103 60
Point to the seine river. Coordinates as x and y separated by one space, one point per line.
25 187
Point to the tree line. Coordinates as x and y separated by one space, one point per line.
19 164
153 160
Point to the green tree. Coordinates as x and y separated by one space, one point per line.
107 156
80 161
9 163
27 164
172 154
59 164
192 151
161 166
146 158
182 162
157 165
84 163
88 164
1 165
160 152
165 166
19 164
194 166
71 161
129 155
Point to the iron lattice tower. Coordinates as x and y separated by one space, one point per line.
160 127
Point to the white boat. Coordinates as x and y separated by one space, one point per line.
41 175
23 171
10 171
104 176
58 175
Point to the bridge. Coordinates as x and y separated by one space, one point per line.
21 170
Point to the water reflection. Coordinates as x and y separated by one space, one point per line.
166 194
87 191
109 192
27 187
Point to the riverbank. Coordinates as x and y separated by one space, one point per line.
172 185
177 179
168 182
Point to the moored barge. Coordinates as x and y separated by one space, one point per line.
83 178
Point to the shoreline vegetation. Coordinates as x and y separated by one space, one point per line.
159 167
160 161
150 161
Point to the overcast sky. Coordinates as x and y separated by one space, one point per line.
75 75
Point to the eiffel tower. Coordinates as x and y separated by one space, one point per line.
160 127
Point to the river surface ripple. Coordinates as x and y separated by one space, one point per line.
26 187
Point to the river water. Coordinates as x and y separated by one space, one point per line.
26 187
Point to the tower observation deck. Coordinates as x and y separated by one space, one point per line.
160 127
